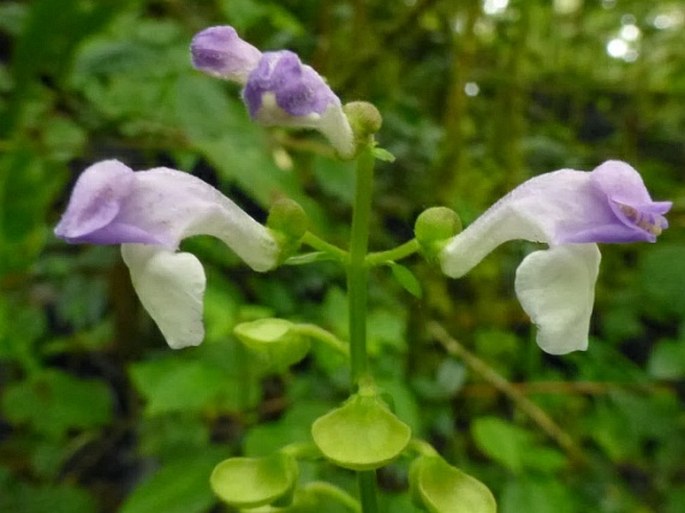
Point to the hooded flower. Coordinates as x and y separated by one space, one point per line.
570 211
278 89
149 213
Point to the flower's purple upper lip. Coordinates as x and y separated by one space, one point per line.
112 204
298 89
94 211
630 201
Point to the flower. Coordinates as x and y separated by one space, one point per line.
149 213
278 89
570 211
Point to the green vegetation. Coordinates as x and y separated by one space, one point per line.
97 414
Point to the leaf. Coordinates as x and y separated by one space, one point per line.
53 402
24 498
500 440
407 279
335 178
667 360
293 427
513 447
27 188
174 384
53 31
662 273
543 495
383 154
181 486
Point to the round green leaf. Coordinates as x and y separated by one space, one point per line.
361 435
442 488
274 340
253 482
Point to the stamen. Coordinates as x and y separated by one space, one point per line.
643 221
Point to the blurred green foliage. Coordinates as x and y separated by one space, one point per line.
96 414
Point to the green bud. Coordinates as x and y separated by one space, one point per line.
288 222
434 227
364 119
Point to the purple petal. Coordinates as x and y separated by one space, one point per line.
297 88
627 196
111 204
95 203
220 52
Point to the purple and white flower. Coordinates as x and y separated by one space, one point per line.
570 211
149 213
279 90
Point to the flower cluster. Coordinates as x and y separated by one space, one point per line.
150 212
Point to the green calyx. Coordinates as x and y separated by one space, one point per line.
276 341
363 434
433 229
438 487
254 482
288 223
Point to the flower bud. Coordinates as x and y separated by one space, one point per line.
364 119
219 51
282 91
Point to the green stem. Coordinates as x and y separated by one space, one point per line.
357 291
367 490
320 334
393 255
315 242
357 271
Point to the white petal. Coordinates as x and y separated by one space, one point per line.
171 287
336 127
556 288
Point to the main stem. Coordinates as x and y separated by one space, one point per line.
357 270
357 291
